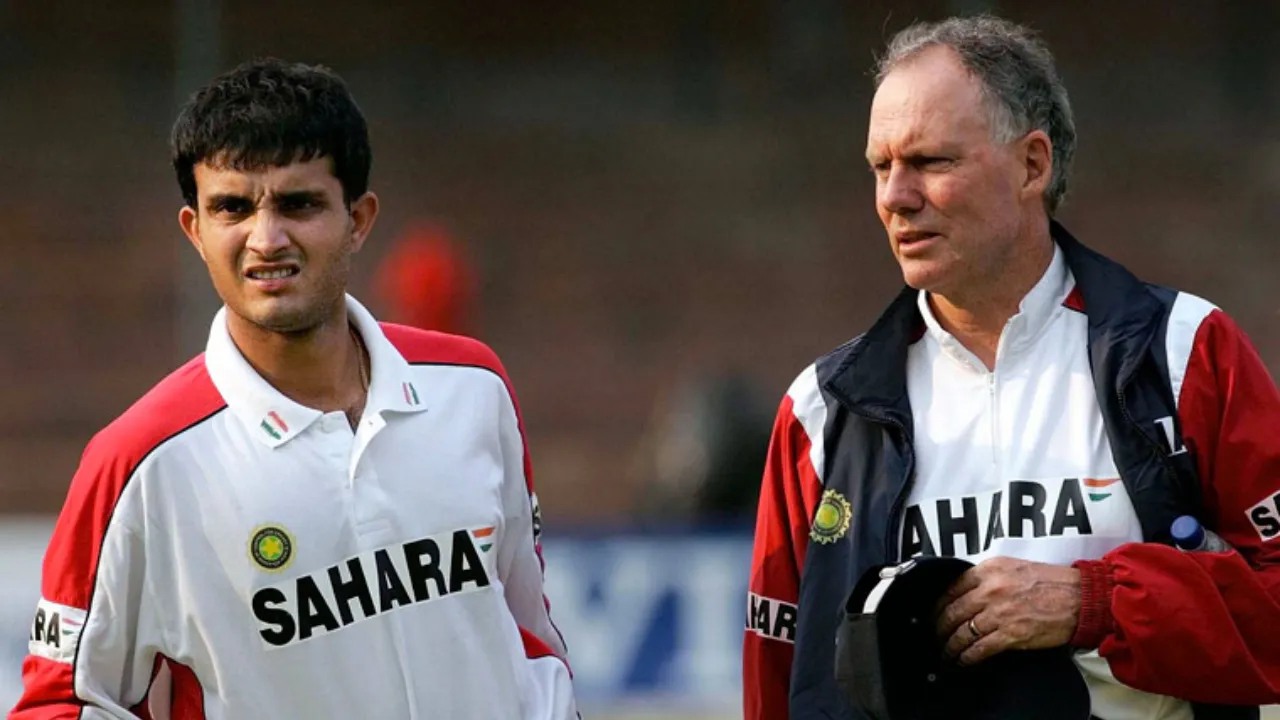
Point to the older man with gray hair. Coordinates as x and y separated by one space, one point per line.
1029 406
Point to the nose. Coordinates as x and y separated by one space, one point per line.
268 235
899 192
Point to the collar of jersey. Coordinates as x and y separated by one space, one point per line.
275 419
1035 312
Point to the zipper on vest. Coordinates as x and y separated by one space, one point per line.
995 421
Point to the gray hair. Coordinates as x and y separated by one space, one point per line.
1018 77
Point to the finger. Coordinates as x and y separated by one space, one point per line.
953 617
970 580
957 643
963 638
986 646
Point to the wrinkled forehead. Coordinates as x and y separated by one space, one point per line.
223 175
928 99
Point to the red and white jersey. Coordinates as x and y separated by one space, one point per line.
1015 462
225 552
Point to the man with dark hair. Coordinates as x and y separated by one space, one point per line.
322 516
1029 406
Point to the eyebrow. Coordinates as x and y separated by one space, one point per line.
314 197
285 198
917 154
220 199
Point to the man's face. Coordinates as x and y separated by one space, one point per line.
277 241
952 200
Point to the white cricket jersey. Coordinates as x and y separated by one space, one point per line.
1015 461
259 559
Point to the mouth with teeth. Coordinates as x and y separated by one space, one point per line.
274 274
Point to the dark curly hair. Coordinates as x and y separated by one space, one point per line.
268 113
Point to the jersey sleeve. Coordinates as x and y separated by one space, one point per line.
1202 625
520 566
788 497
93 643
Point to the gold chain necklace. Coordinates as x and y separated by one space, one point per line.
354 413
361 358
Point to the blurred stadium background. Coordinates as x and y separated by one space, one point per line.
657 213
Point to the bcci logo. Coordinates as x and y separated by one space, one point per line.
271 548
831 522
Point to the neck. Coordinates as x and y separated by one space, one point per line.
321 368
976 317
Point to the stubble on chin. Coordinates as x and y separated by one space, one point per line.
290 321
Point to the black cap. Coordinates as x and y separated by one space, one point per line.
890 663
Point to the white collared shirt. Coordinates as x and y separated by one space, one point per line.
1015 461
284 566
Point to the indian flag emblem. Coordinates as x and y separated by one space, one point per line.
484 538
1097 486
410 394
274 425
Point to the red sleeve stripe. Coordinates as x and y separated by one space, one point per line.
805 503
100 535
534 647
810 411
143 708
789 499
1185 319
188 693
175 693
183 400
527 466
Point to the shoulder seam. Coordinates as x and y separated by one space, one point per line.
506 385
447 363
451 363
133 469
